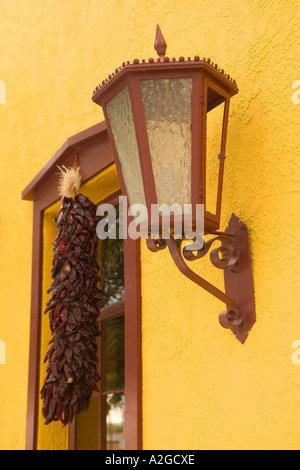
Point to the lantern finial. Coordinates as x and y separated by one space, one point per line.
160 44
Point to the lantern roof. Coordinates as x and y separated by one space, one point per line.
162 64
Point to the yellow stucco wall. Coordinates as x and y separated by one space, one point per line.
201 388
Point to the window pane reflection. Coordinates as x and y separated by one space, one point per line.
113 354
115 421
112 264
113 400
113 270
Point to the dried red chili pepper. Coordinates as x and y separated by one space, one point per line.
73 310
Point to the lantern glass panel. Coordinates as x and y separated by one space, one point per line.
168 108
214 130
122 125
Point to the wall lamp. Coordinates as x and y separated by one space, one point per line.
167 123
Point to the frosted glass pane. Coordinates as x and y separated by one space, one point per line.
122 125
168 107
214 128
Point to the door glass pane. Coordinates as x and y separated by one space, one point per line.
112 267
113 354
113 271
214 128
115 421
113 401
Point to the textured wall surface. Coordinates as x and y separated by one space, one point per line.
201 388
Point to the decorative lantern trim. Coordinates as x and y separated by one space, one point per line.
163 64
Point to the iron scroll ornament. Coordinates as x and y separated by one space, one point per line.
233 257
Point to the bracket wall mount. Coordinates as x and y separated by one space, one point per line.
233 256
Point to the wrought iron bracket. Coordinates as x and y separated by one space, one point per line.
233 256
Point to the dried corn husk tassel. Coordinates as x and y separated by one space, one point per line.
69 182
73 306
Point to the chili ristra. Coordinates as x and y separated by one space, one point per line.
73 310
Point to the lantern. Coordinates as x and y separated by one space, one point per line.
167 122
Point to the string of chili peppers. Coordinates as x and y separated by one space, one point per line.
73 308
